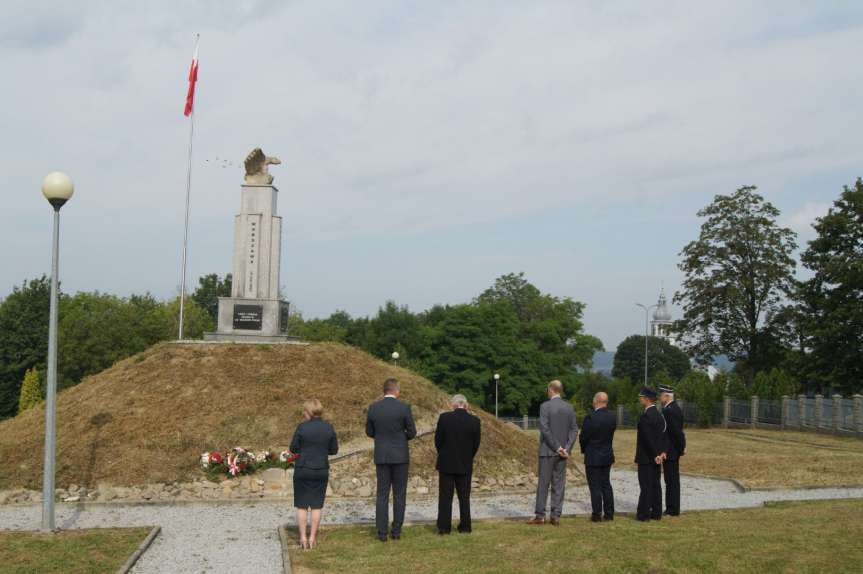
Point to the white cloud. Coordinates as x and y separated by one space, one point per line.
397 119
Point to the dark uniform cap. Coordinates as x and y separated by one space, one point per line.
666 389
649 393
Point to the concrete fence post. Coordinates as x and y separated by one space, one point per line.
858 414
524 422
726 412
837 413
786 412
753 412
819 410
801 411
620 416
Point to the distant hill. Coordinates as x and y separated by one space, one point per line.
603 362
148 418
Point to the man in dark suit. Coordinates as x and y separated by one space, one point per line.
650 451
676 448
557 434
597 435
391 424
456 439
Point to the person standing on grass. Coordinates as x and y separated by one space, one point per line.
676 448
456 439
314 440
597 435
558 432
391 424
650 451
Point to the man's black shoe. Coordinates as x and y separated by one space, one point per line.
382 537
443 532
595 518
463 531
643 519
395 536
666 513
608 518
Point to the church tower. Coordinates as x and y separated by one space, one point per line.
660 326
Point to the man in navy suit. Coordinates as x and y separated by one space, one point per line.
391 424
597 435
456 439
676 448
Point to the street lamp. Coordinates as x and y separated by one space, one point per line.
496 381
395 357
58 189
647 309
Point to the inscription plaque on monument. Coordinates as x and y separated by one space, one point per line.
249 317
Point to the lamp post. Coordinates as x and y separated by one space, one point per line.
395 357
58 189
647 309
496 381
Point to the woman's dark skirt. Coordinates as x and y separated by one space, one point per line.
310 487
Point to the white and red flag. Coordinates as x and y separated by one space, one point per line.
193 78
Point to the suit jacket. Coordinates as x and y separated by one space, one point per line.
456 439
650 440
676 437
597 435
391 424
557 426
314 440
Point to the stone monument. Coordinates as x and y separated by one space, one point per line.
255 311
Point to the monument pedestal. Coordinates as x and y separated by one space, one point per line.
251 320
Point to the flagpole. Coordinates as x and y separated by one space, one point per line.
186 232
188 198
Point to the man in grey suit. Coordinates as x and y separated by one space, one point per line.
391 424
558 432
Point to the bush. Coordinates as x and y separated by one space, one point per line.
31 392
697 388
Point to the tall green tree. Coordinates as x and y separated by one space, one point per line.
832 300
210 288
738 273
662 356
23 338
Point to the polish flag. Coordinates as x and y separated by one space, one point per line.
193 78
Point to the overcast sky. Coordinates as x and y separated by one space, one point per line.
427 147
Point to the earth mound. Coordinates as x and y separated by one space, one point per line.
148 418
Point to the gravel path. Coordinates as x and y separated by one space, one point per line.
241 536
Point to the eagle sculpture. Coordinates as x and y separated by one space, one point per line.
257 172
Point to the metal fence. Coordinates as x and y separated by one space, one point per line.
524 423
825 414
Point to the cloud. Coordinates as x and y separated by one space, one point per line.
802 219
398 121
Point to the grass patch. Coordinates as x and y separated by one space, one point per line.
795 537
763 458
68 552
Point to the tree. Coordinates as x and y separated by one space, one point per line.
737 273
697 388
662 356
23 338
31 391
210 288
831 302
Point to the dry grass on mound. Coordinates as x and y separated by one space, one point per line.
148 418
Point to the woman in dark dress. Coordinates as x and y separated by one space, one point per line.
314 440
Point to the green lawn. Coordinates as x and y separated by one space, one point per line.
68 552
789 537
